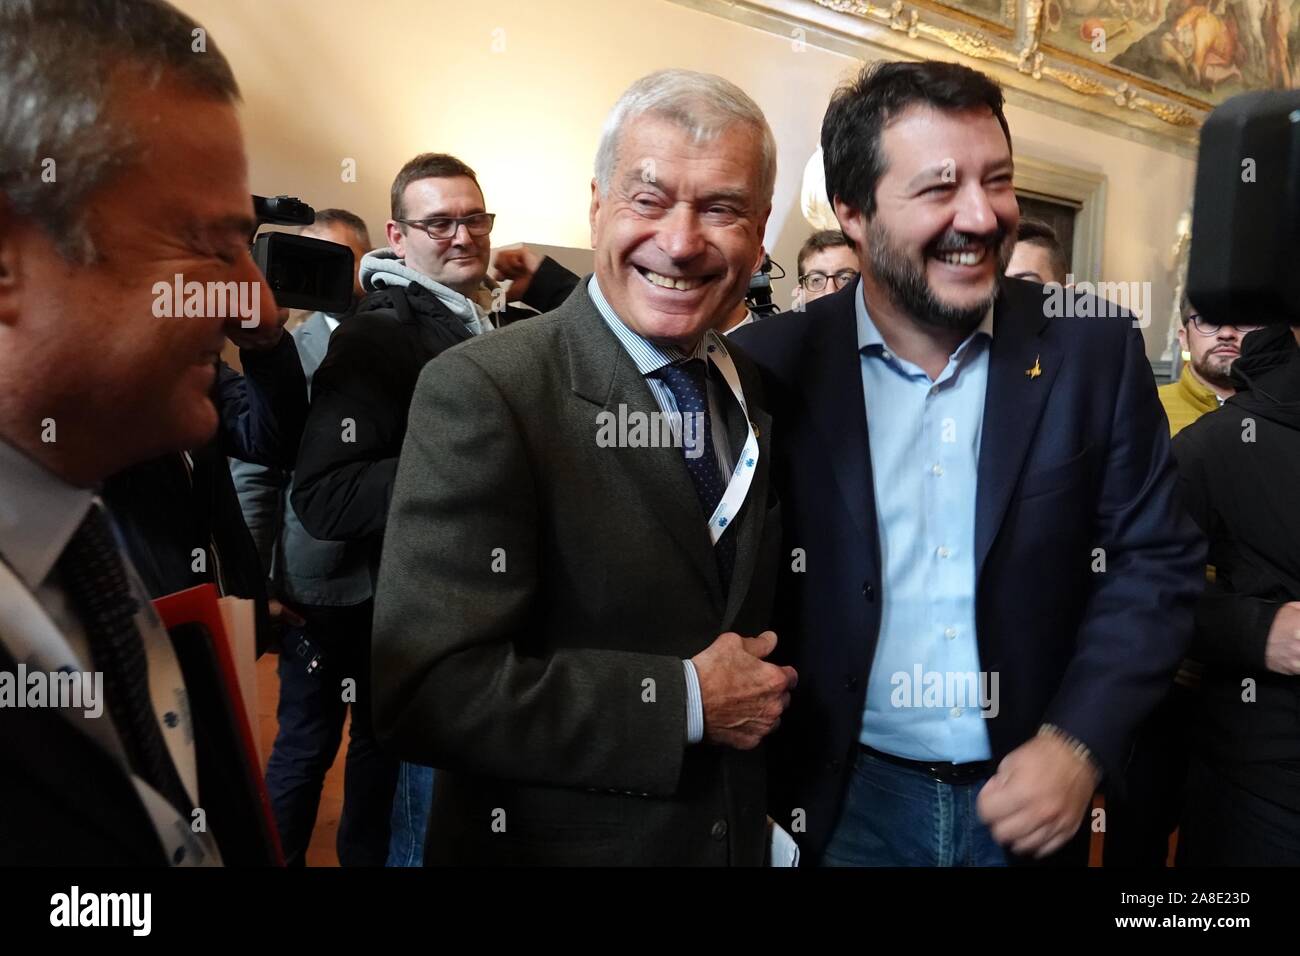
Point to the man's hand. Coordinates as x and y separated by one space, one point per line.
1036 800
1282 652
282 617
265 335
518 264
743 696
281 613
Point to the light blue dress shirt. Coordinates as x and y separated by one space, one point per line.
649 357
925 437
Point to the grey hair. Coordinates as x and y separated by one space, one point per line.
58 141
701 103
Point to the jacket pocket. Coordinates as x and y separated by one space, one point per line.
1043 481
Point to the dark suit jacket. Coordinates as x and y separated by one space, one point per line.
79 808
65 801
1072 459
549 688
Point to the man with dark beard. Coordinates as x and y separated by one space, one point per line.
1205 382
991 581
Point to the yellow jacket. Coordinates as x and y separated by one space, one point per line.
1186 400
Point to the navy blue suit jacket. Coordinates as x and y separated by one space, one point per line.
1072 459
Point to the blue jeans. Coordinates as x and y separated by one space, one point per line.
410 815
896 816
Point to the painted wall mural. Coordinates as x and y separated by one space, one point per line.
1161 65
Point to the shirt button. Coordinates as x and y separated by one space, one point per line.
850 683
886 354
934 389
956 711
950 632
943 552
937 470
719 830
868 591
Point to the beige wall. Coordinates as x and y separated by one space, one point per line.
519 89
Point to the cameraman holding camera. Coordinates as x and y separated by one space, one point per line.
327 603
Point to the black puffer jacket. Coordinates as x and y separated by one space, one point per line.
359 400
1240 476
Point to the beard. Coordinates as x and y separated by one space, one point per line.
910 289
1214 370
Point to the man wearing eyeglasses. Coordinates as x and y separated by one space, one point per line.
1209 351
425 293
827 263
559 619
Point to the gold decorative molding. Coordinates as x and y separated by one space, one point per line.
1024 56
1030 60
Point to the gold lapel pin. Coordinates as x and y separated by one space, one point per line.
1037 370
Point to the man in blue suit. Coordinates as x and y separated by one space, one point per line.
990 579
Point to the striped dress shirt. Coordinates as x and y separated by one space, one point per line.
649 357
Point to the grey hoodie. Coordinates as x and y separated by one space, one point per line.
383 269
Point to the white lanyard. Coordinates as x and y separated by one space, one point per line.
742 475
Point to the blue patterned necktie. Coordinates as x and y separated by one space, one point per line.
94 578
688 383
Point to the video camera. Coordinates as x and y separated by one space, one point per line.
759 296
303 273
1246 214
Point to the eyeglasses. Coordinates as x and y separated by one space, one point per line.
445 227
816 281
1210 328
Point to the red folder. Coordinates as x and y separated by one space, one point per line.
192 616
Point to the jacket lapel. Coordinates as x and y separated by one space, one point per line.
837 404
602 373
1022 367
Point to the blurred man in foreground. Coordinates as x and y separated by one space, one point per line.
147 180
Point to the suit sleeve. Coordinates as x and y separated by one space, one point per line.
1137 622
462 678
1231 629
262 411
348 457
